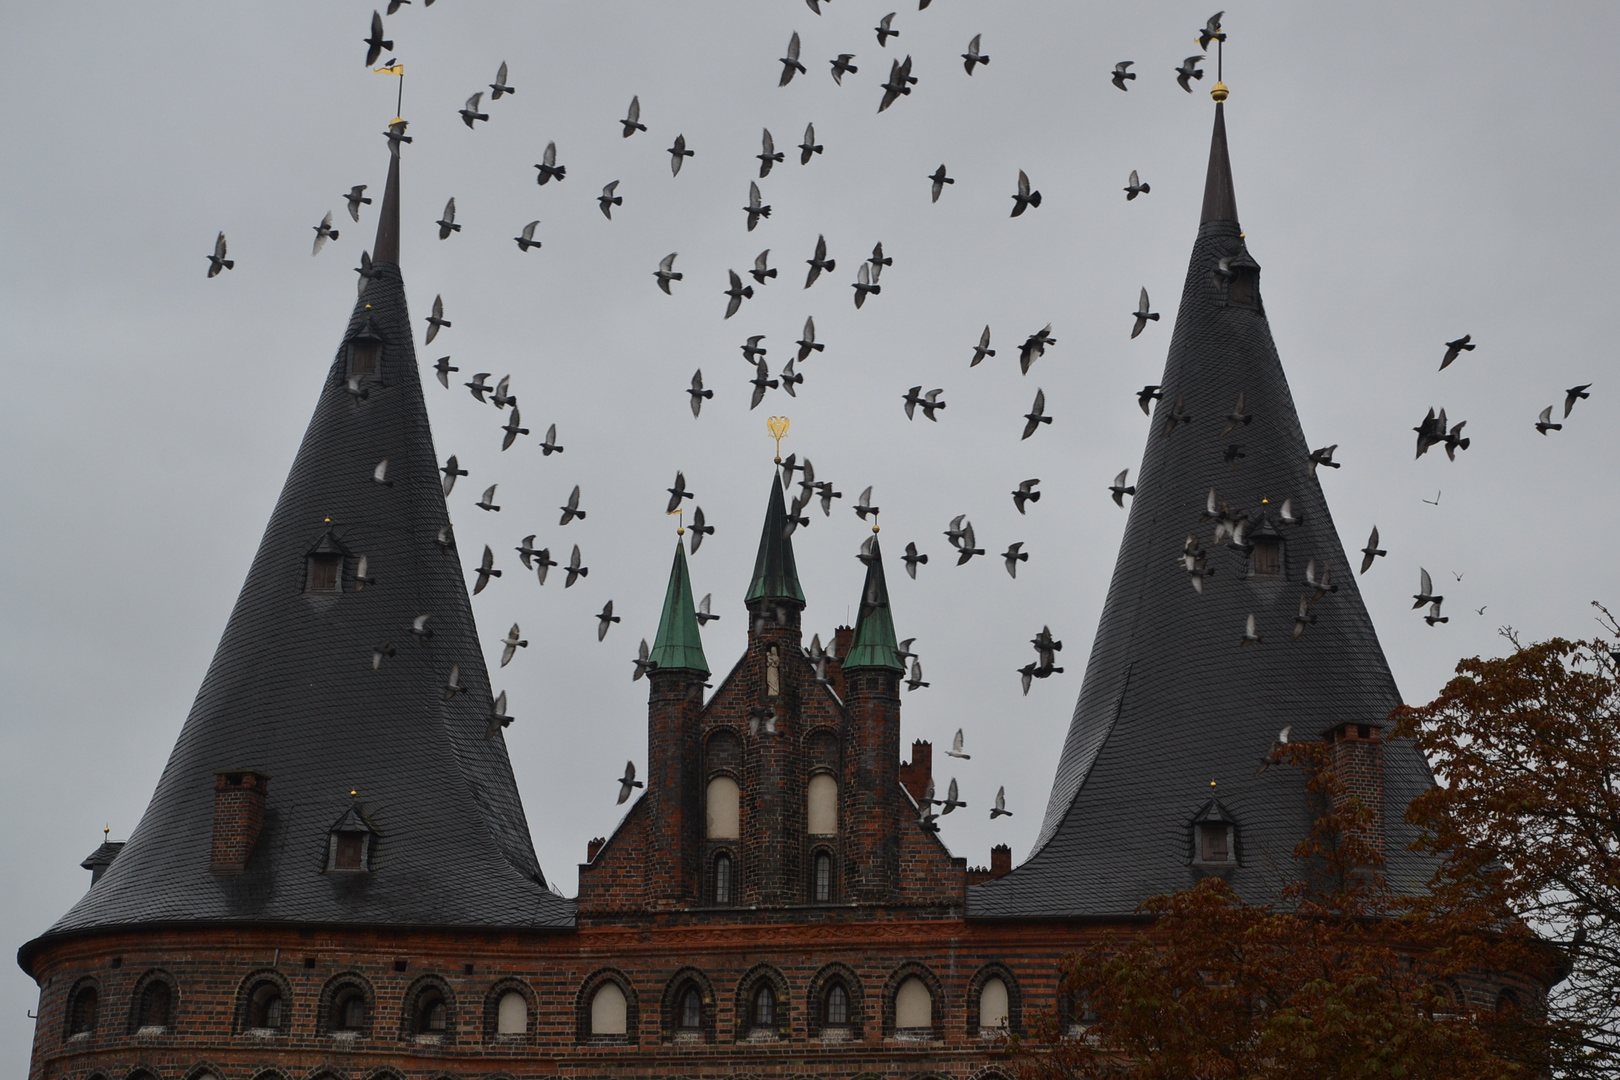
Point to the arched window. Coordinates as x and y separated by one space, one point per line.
431 1013
83 1011
512 1014
992 1006
348 1011
691 1010
764 1006
157 1005
837 1012
822 805
821 884
724 806
609 1010
265 1008
913 1005
722 879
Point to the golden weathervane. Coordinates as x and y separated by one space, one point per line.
778 428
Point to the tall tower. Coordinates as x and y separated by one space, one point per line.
1157 786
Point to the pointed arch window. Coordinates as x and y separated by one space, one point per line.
692 1009
764 1006
837 1013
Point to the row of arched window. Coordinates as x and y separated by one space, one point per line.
836 1006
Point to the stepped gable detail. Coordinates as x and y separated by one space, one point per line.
291 694
1170 701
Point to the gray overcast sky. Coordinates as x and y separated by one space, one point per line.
1405 174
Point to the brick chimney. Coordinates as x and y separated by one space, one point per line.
238 818
1000 863
1356 755
843 638
593 847
916 773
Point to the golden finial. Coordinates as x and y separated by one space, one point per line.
1212 783
353 793
106 833
778 428
1219 91
680 523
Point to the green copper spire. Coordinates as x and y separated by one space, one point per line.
775 575
678 644
874 642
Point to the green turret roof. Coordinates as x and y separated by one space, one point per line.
775 575
874 642
679 644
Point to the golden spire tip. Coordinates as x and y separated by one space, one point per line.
1219 91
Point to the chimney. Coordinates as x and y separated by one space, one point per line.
916 773
101 858
238 818
843 638
1356 756
593 847
1000 860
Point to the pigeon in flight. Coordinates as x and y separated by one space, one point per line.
498 718
819 262
1178 416
1025 493
382 652
469 112
967 547
768 154
930 402
809 147
863 284
790 379
755 208
447 220
549 169
575 569
1037 415
571 510
1571 396
951 801
1196 563
217 261
526 239
486 570
1034 347
1287 516
643 661
628 782
1135 187
1456 348
762 271
677 493
912 560
1250 635
841 66
807 342
1143 314
940 180
1425 593
899 84
973 57
825 492
501 397
499 87
1146 396
1014 555
375 42
737 294
1324 456
1000 808
678 153
511 643
605 620
512 429
1024 198
879 261
1303 619
632 118
699 529
527 552
356 198
790 62
452 684
1211 31
325 232
608 200
956 747
863 505
762 381
1122 72
436 320
914 681
1432 430
1455 440
884 33
704 615
667 273
379 475
698 394
549 445
1119 490
1189 69
451 470
1434 615
1544 422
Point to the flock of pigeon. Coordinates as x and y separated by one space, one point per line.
1230 525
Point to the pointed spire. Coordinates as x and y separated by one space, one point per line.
874 643
679 645
1220 201
776 577
386 248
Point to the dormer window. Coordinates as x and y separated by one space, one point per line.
1266 559
1214 837
323 566
350 844
365 351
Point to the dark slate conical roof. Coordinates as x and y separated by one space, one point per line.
1170 701
873 644
776 576
291 693
679 641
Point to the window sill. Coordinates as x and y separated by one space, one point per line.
262 1033
838 1034
762 1035
152 1031
690 1037
345 1036
434 1039
917 1035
